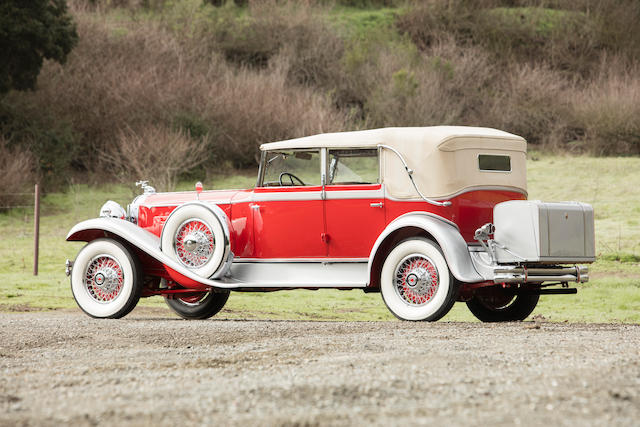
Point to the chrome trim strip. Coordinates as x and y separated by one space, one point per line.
286 196
263 156
410 174
212 202
323 172
355 194
301 260
468 190
332 195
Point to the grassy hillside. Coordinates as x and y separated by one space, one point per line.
613 294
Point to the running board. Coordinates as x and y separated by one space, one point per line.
296 275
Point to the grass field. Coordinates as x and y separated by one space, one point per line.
612 295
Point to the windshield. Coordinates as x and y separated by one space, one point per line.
291 168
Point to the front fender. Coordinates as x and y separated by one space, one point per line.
142 239
444 232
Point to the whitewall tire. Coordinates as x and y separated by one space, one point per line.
194 236
106 280
416 283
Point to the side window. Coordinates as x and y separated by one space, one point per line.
291 168
353 167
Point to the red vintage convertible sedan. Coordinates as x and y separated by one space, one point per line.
425 216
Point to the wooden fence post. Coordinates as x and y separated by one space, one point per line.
36 230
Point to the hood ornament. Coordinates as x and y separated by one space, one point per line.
145 187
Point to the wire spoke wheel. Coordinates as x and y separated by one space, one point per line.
106 279
194 243
416 279
196 236
103 278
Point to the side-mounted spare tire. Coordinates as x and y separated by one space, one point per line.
197 236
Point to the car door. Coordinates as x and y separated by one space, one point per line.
354 205
287 206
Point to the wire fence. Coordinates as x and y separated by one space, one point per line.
35 208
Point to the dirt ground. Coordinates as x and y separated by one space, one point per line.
151 368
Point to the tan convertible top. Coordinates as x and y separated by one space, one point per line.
444 158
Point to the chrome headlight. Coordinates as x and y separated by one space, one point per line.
112 209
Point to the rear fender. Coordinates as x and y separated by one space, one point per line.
442 231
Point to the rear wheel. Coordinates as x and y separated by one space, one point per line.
201 306
106 279
502 305
416 283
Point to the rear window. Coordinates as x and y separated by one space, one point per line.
494 163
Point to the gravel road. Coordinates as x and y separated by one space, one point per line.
149 368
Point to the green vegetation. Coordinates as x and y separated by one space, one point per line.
29 33
612 295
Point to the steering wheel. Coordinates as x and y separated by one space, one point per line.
291 177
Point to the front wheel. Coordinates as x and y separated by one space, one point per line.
500 305
416 283
106 279
201 306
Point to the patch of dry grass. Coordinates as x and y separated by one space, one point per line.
17 174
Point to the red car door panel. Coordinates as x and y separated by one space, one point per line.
355 216
288 222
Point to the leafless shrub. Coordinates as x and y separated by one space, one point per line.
17 174
128 76
250 107
608 109
117 76
567 35
432 89
155 153
532 101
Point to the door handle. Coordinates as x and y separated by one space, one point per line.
376 205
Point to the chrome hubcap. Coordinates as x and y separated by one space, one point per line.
104 278
194 243
416 279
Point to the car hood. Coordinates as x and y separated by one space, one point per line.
219 197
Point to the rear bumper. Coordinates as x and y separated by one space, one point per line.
524 274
